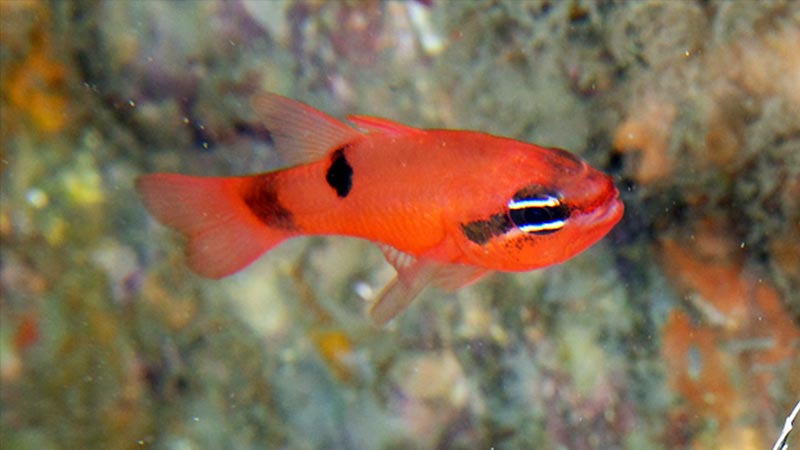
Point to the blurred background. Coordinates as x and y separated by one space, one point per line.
681 329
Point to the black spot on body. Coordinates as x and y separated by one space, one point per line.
340 173
262 198
480 231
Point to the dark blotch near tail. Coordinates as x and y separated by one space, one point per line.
262 198
480 231
340 174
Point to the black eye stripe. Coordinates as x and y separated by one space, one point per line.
533 210
480 231
540 220
538 201
536 211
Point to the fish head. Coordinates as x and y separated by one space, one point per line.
549 205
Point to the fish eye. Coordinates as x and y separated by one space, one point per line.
535 211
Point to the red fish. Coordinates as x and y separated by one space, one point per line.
445 206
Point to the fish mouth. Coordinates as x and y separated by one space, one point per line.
613 213
607 211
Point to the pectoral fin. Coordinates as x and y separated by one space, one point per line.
414 275
453 277
402 290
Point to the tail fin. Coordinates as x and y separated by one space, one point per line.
223 235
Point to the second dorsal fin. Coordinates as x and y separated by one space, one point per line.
381 125
301 133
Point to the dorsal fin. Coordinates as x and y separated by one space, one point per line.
301 133
381 125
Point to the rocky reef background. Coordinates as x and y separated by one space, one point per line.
680 330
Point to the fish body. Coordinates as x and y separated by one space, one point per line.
445 206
